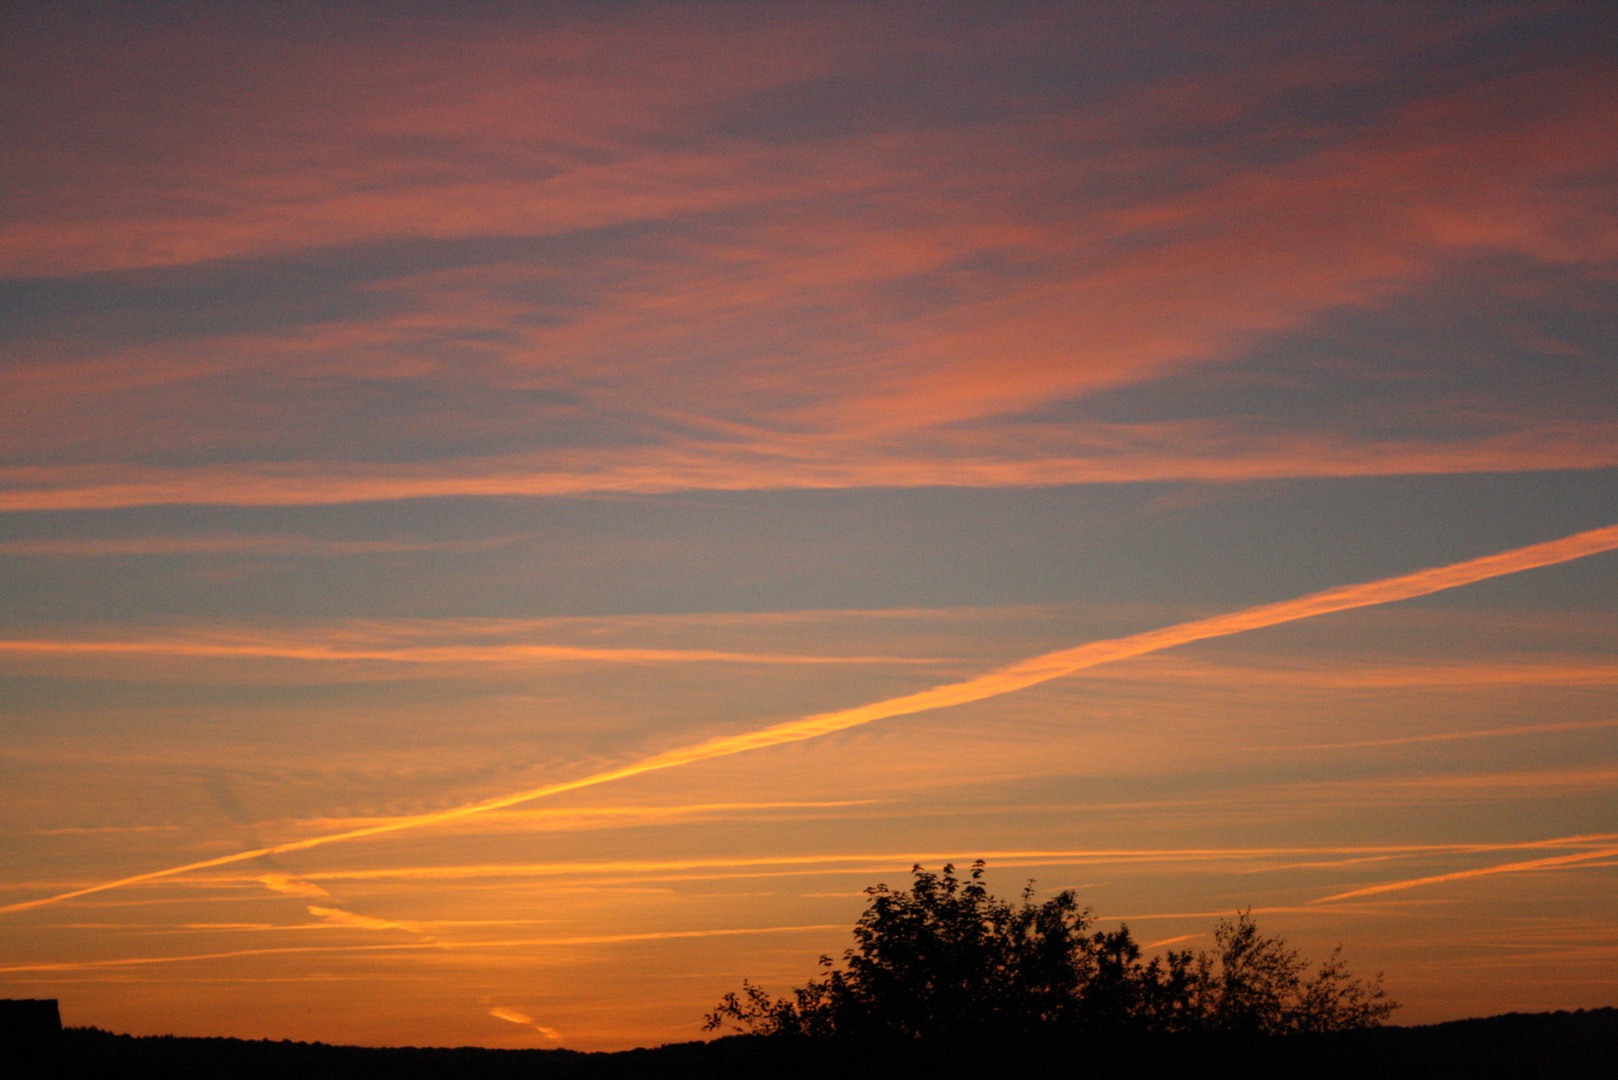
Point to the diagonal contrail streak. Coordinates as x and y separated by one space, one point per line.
1552 863
1017 676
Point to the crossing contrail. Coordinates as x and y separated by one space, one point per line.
1004 680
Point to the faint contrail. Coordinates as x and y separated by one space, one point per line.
1003 680
1482 871
439 654
600 939
1080 857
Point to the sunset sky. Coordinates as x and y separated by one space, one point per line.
547 502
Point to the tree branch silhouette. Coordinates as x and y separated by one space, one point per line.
948 961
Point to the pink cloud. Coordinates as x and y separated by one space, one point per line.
855 309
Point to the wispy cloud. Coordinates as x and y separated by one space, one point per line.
1170 941
348 919
1004 680
1121 455
291 885
517 1016
724 290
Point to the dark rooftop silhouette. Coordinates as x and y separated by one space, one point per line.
30 1037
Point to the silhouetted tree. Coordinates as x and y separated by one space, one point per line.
946 960
1261 986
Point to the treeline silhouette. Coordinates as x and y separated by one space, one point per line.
948 961
1579 1045
946 979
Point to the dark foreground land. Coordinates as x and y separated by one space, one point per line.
1516 1046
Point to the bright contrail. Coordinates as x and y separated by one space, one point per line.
1018 676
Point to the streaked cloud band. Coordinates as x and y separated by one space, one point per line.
1003 680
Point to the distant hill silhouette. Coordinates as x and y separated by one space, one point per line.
1579 1045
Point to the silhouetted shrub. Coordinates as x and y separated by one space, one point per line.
946 961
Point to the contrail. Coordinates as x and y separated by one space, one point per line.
605 939
1080 857
443 654
1018 676
1482 871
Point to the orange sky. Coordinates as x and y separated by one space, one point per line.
411 411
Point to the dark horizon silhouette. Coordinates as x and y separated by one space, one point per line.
945 977
1520 1046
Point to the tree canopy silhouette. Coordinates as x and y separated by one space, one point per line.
948 961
